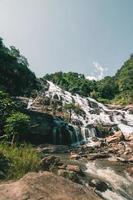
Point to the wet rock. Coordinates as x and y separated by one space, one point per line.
130 159
112 159
117 137
53 149
74 156
73 168
71 175
50 162
121 159
130 111
130 137
98 156
130 171
99 185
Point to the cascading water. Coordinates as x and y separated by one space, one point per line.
91 114
119 185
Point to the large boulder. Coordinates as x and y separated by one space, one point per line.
45 186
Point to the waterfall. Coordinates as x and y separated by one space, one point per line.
83 132
54 135
30 103
120 186
76 128
71 137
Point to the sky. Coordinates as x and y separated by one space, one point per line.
92 37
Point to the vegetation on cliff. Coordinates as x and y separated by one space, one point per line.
15 76
117 89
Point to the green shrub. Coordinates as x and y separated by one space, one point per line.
23 159
16 125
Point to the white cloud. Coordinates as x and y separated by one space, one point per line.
99 72
91 78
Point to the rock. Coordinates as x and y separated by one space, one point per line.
97 144
62 167
73 168
130 159
50 161
45 186
130 171
98 156
117 137
53 149
130 137
99 185
121 159
112 159
71 175
62 172
74 156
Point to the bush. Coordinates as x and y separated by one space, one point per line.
16 125
23 159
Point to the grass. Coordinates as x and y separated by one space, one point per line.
23 159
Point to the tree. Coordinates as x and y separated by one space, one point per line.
6 105
16 125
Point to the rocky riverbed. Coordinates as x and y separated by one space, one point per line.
99 169
105 165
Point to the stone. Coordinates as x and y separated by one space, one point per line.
62 166
117 137
121 159
73 168
99 185
130 137
71 175
130 111
130 171
45 186
98 156
50 161
74 156
130 159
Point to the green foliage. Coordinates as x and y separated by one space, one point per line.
23 159
72 82
116 89
6 105
72 107
15 76
124 76
16 125
107 88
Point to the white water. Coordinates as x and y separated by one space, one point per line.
121 185
30 104
93 113
103 115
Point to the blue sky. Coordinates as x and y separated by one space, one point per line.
93 37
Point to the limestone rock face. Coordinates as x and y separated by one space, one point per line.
45 186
